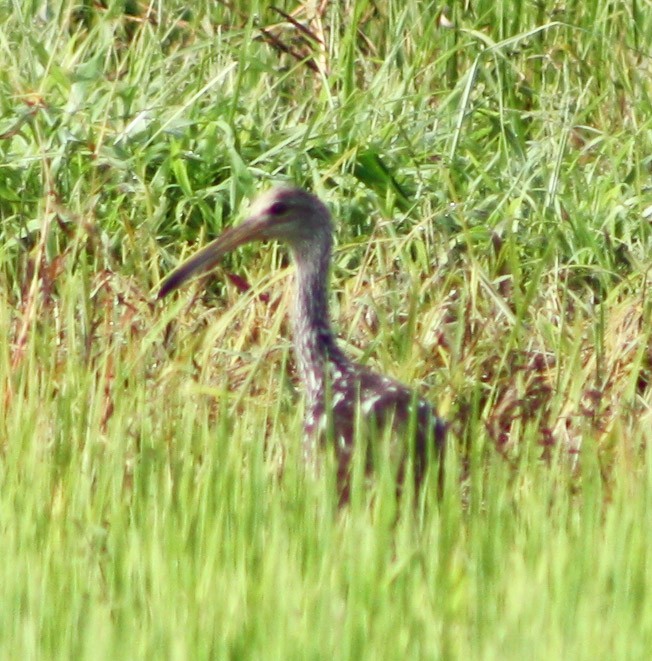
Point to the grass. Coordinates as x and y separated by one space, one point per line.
489 168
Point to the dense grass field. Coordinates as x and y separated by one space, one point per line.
490 169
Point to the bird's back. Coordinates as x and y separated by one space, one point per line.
362 403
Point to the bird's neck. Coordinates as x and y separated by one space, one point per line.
315 346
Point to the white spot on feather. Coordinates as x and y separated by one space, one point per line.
323 422
368 404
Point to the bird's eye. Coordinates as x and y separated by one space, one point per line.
278 208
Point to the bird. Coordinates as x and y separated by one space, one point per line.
343 399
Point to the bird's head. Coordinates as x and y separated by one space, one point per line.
287 214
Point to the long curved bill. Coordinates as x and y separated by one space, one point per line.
251 229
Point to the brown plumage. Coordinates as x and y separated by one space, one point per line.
343 398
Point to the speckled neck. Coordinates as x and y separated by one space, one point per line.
314 341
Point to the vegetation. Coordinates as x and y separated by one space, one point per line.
490 169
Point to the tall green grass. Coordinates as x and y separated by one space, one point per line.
489 168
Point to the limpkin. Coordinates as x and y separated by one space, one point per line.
340 394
